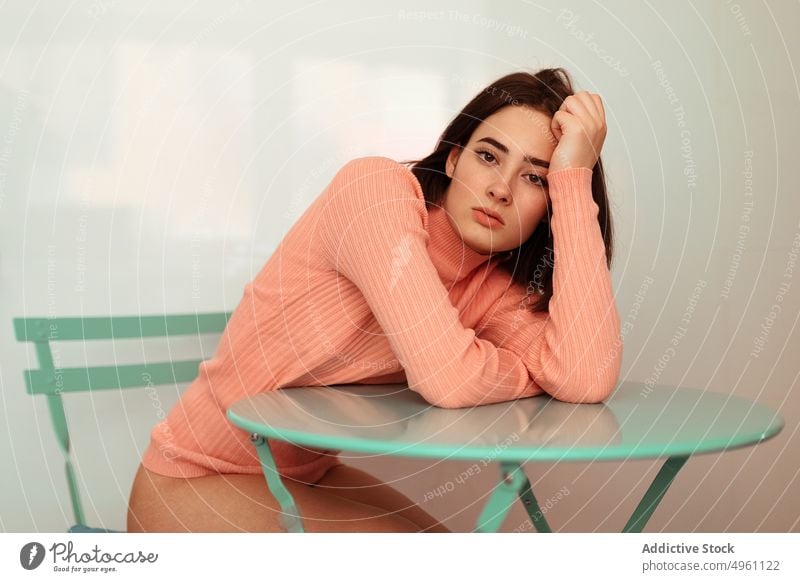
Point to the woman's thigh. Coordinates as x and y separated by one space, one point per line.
355 484
243 503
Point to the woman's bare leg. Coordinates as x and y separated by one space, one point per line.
243 503
357 485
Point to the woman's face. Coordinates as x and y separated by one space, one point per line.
502 168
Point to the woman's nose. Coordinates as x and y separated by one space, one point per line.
501 193
500 189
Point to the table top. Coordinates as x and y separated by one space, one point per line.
634 422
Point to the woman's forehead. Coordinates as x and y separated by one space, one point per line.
520 131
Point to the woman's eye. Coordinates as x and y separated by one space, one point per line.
538 180
483 153
535 180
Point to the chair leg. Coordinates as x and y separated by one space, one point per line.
290 518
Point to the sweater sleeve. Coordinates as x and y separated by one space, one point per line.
373 231
573 351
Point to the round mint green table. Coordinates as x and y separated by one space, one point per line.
635 422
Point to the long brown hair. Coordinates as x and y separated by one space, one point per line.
530 264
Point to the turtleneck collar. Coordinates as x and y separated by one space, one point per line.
453 259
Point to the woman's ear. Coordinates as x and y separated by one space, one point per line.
452 160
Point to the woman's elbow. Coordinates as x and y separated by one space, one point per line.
583 390
449 396
599 393
600 384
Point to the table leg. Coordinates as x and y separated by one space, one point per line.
290 518
536 515
654 494
515 484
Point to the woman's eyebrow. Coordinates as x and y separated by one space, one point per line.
530 159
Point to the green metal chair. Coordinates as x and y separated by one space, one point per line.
52 382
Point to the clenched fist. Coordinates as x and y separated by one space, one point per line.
580 128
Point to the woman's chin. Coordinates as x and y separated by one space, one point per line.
484 245
486 250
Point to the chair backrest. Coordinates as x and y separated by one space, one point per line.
53 382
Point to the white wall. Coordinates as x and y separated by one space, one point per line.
151 158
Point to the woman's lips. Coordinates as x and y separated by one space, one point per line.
485 219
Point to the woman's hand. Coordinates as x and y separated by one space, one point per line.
579 125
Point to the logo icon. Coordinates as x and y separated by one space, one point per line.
31 555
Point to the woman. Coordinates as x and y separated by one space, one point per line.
479 275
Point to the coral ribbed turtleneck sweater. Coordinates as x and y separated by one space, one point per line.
370 286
